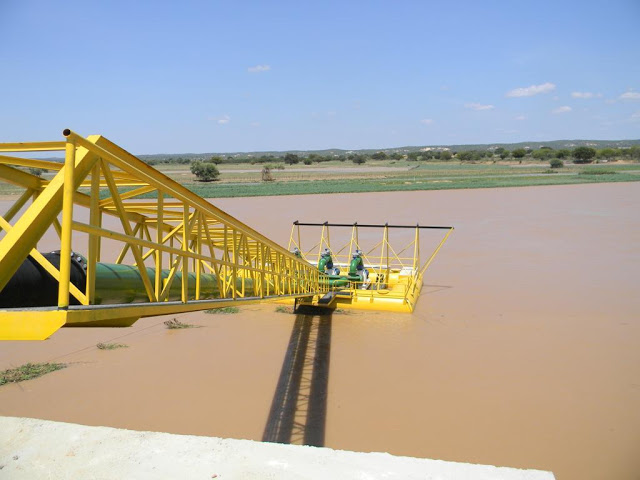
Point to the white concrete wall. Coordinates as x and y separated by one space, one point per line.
34 449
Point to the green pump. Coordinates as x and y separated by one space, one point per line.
356 265
357 272
326 262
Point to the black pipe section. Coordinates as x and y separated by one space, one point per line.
33 286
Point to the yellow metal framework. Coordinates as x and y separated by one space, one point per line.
395 273
161 225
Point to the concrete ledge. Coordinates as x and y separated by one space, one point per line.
31 448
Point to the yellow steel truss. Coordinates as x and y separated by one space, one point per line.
162 225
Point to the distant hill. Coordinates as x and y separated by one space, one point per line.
555 144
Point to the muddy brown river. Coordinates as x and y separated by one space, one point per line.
523 351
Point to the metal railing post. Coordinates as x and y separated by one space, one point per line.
67 221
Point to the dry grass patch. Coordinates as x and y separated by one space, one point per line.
223 310
176 324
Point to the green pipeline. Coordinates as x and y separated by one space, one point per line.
117 284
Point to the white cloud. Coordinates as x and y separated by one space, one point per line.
224 119
520 117
259 68
564 109
531 90
478 106
585 95
427 121
630 95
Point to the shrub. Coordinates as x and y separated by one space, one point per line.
266 174
307 161
556 163
36 171
598 171
205 172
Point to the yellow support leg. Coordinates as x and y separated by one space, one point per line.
30 324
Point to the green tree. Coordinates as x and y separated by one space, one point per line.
465 156
519 153
505 154
307 161
205 172
446 155
583 154
379 156
216 160
541 154
606 154
499 151
564 153
413 156
358 159
291 159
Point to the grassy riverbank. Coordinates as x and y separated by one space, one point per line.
417 177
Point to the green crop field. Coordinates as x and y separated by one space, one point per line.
386 175
403 176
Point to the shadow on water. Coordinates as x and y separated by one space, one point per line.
299 407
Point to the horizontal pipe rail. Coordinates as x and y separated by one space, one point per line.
363 225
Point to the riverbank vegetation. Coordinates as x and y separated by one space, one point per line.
28 372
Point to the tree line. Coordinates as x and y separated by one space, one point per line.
207 171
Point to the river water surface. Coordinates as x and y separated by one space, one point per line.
523 351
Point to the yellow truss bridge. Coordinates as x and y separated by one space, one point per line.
177 252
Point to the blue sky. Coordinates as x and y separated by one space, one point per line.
204 76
